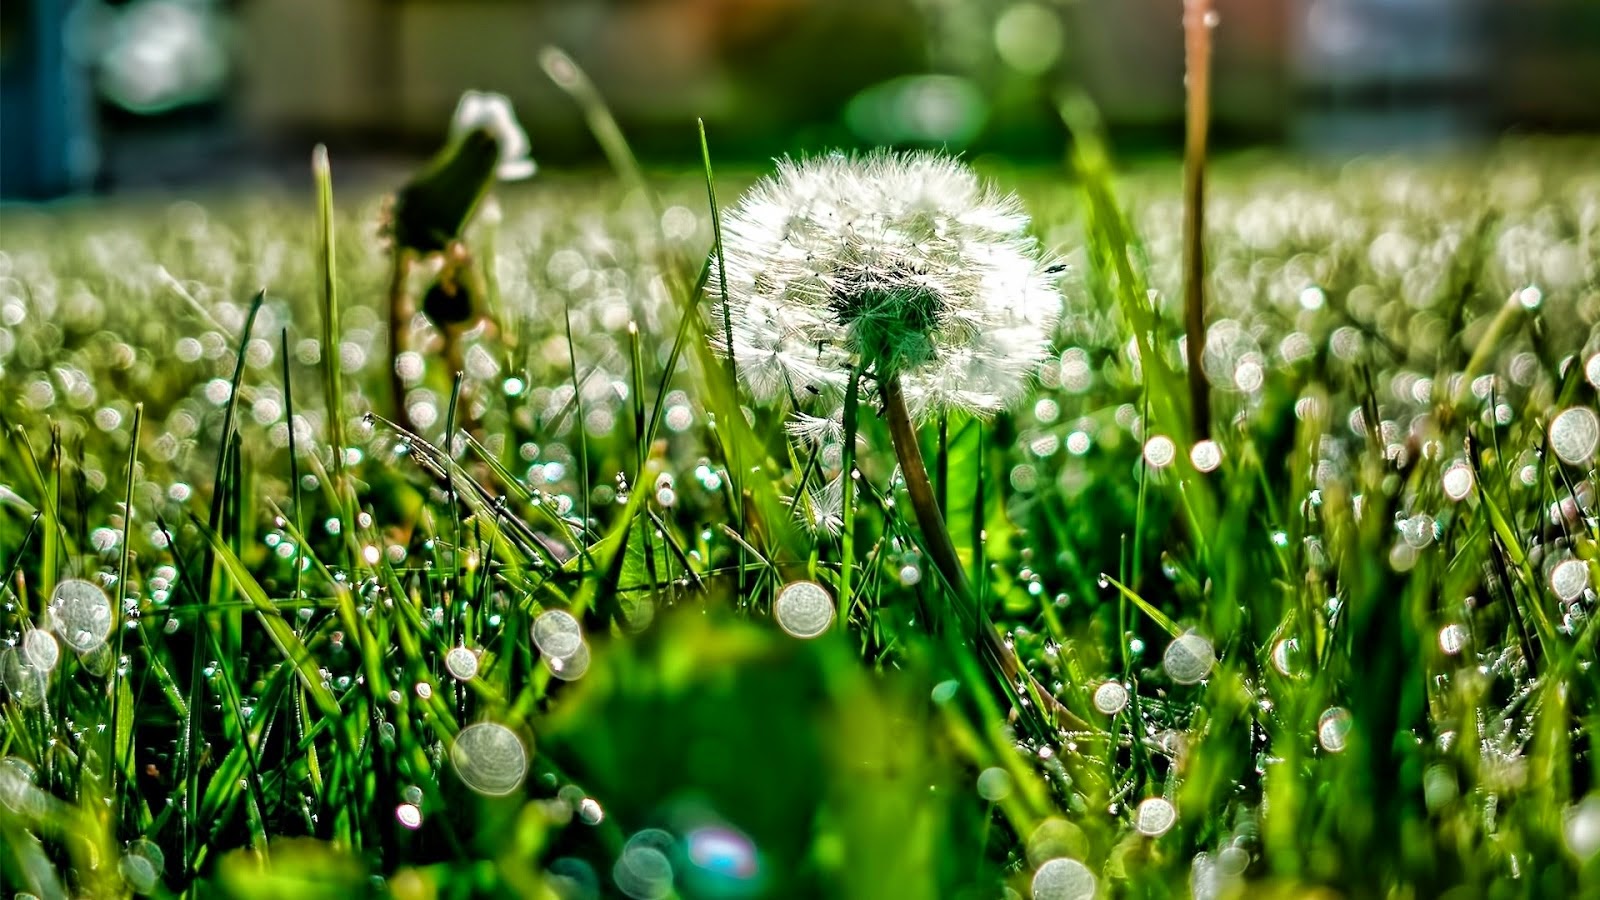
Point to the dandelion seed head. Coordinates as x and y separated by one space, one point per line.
904 264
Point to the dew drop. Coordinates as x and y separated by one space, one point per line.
489 758
1063 879
590 811
1567 580
1110 697
462 663
1155 817
1581 828
1574 433
994 784
1206 456
572 667
1188 659
557 633
1333 729
409 815
804 609
1160 451
140 876
1452 638
41 650
1458 481
81 614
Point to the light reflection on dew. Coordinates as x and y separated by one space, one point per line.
139 874
26 682
570 667
590 812
409 815
489 758
994 784
572 879
1160 451
557 633
1574 434
1155 817
80 613
1452 638
1206 456
1581 828
1458 481
804 609
1188 659
41 650
462 663
643 871
724 853
1063 879
1333 729
1569 578
1110 697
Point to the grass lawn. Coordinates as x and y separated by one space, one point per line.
582 626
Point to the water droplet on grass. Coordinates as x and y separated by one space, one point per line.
804 609
26 682
409 815
41 650
81 614
1063 879
462 663
1110 697
1333 729
1155 817
1458 481
1574 433
557 633
1452 638
1206 456
1581 828
1188 659
1569 578
590 812
569 668
994 784
643 871
1160 451
489 758
140 876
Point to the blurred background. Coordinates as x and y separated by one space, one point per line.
139 94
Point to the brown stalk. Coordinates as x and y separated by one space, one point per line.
1198 20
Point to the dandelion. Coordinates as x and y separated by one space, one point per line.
904 269
906 266
491 111
821 509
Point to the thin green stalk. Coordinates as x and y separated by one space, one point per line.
847 484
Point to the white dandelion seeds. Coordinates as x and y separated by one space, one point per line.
821 509
906 265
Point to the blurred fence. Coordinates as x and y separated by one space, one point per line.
769 76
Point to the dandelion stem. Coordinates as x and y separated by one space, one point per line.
936 541
847 507
1198 20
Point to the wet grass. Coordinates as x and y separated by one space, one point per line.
1346 646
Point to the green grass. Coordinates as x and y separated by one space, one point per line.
1401 704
